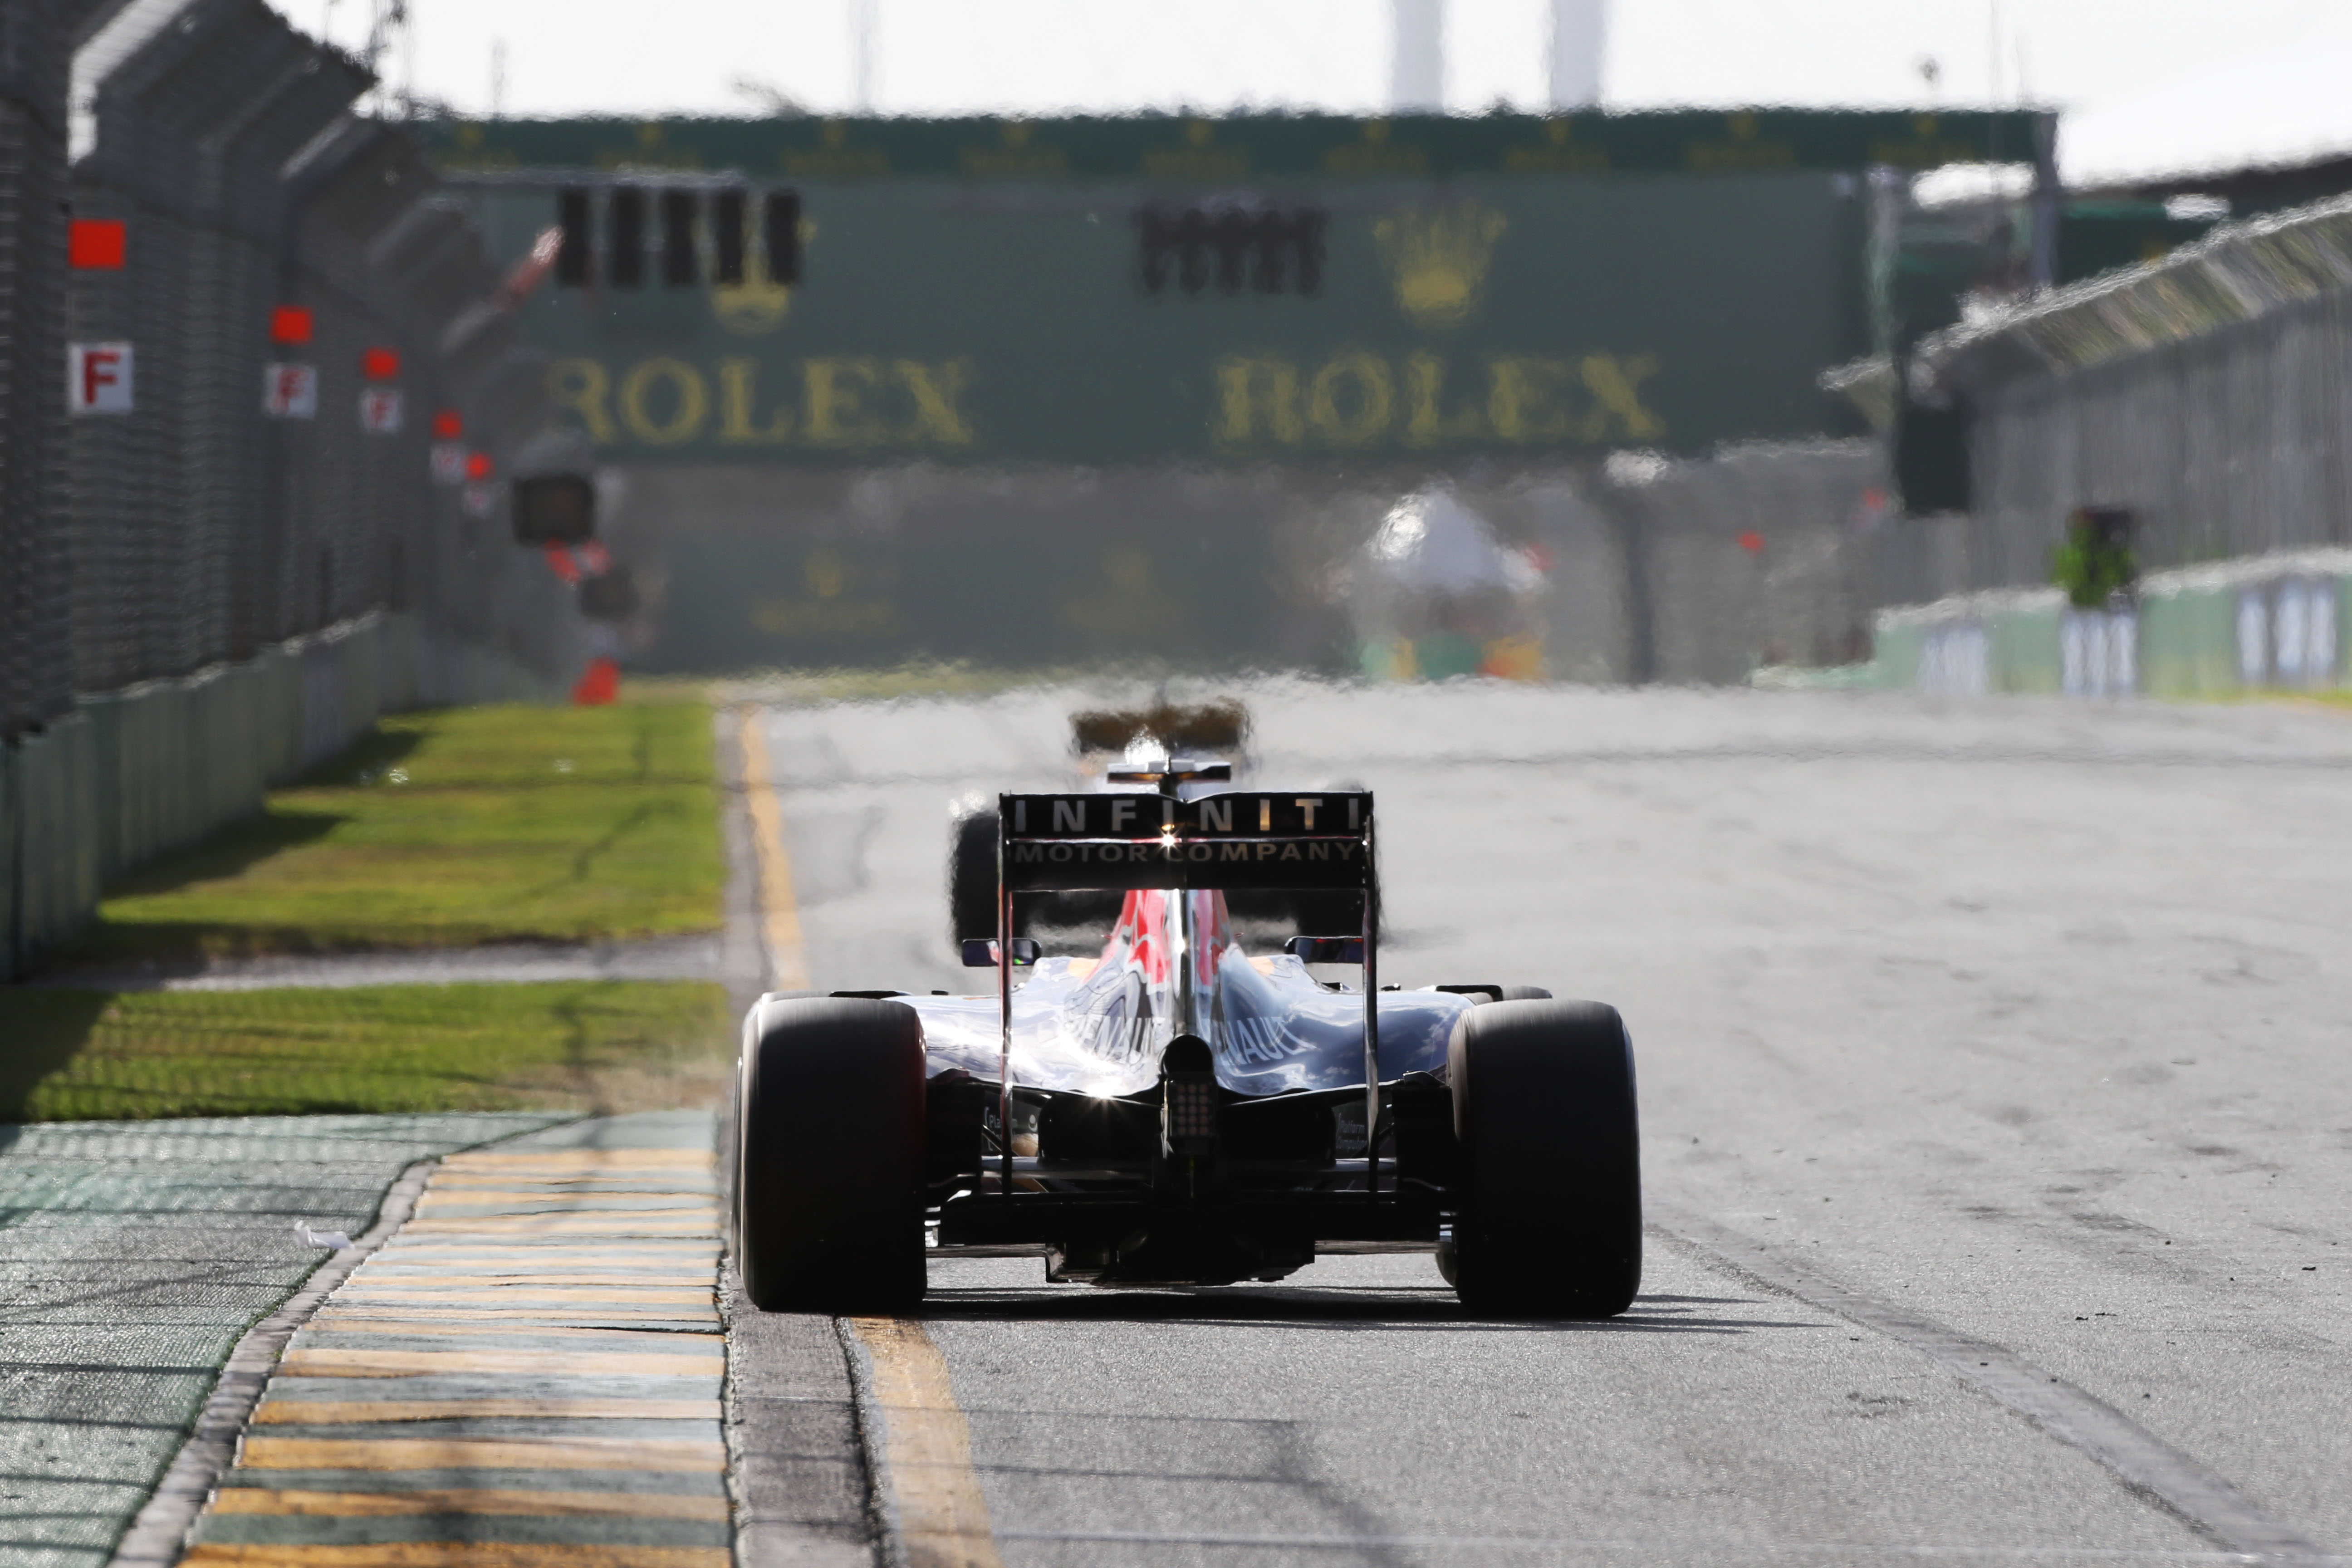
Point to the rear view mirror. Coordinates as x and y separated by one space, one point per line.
554 508
1326 949
979 953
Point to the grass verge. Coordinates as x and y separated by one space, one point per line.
597 1047
452 828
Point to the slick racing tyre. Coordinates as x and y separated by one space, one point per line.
1333 914
1549 1222
971 878
972 886
829 1156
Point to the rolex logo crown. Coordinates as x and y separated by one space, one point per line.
1437 259
758 303
754 305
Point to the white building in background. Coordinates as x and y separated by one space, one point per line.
1578 32
1572 51
1417 56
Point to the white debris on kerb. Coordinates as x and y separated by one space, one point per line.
333 1240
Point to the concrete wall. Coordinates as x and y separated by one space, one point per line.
2276 622
134 773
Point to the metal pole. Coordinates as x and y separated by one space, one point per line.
1371 1032
1004 1008
2046 195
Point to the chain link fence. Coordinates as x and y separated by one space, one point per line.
235 317
2207 393
36 664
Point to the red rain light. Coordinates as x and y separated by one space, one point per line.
380 364
1751 541
448 424
478 465
97 244
290 324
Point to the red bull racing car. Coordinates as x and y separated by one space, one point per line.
1177 1110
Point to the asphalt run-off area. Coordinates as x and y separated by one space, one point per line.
1997 1128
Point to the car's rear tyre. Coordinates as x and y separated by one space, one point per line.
1549 1219
971 878
829 1156
1333 912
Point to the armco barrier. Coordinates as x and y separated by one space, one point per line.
2265 622
134 773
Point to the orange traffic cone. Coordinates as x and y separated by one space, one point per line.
600 683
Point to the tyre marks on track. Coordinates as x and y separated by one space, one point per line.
526 1375
923 1446
2144 1462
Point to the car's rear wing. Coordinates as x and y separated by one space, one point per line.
1245 838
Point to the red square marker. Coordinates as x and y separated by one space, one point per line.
448 424
477 466
97 244
290 324
380 364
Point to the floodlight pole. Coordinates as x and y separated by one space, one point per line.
2047 197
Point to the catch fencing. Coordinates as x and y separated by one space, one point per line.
35 667
237 320
2205 393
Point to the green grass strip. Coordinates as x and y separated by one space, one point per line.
599 1046
453 828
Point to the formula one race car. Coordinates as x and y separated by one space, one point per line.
1117 750
1178 1111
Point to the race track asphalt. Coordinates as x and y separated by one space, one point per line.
2014 1027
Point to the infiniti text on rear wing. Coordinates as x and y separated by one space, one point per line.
1245 840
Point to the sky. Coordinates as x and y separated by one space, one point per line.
2149 86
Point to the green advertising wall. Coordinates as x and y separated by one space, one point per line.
974 292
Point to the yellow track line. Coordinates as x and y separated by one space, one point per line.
926 1449
338 1363
582 1161
780 914
395 1319
450 1555
311 1411
540 1504
692 1456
